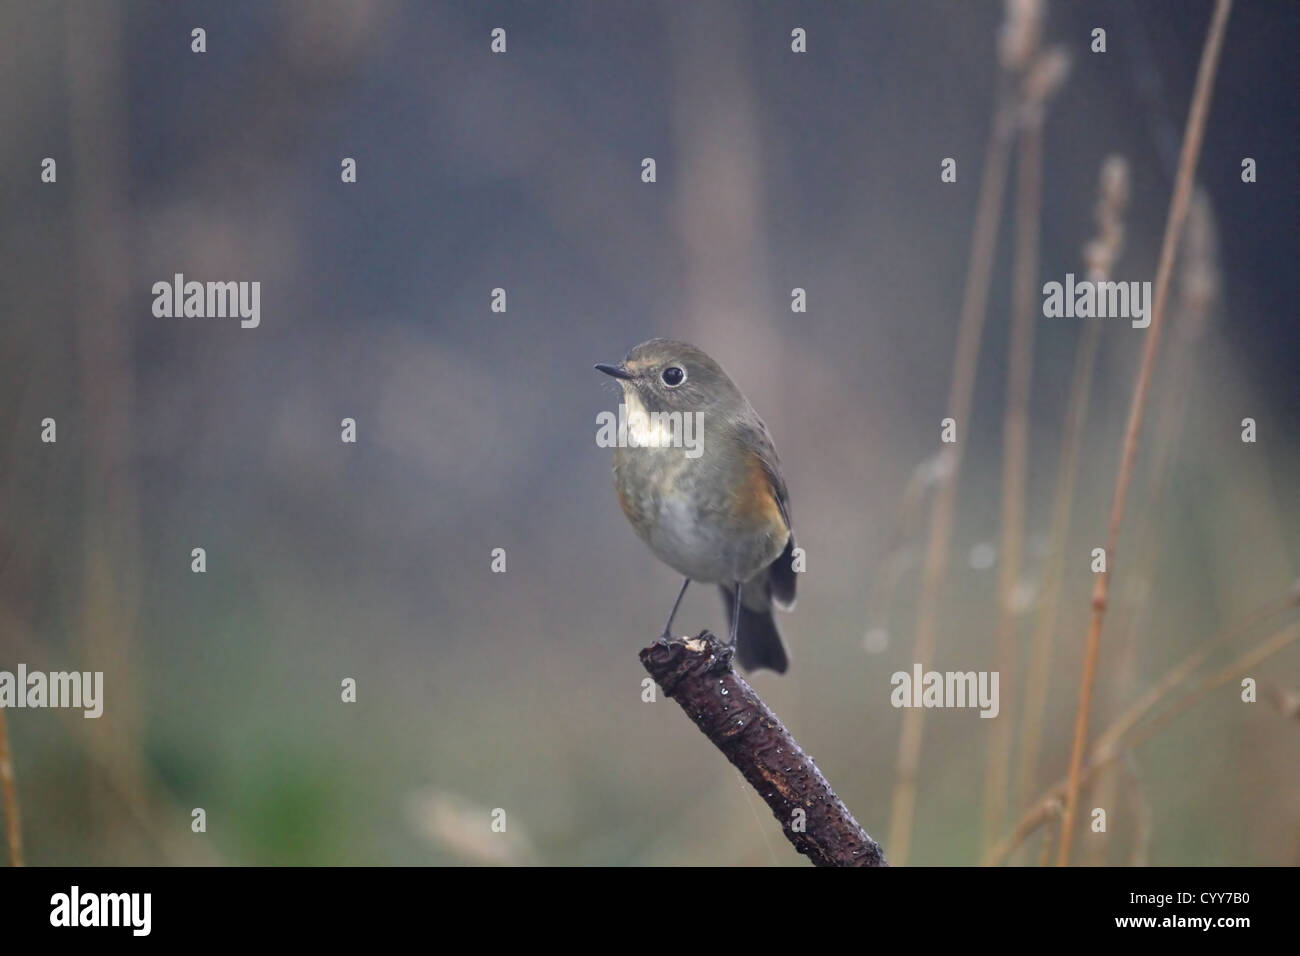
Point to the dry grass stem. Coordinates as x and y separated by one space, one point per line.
1043 78
1197 287
1100 256
1110 746
1173 229
974 306
1141 813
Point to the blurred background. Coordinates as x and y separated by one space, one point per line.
476 430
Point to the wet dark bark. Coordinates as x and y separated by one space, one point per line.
698 674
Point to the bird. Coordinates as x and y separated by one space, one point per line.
697 475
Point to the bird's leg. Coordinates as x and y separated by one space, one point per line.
673 613
735 617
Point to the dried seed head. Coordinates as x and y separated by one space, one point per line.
1018 39
1114 182
1101 253
1049 70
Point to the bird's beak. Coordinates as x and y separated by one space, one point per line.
614 371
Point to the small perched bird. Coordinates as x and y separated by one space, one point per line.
698 478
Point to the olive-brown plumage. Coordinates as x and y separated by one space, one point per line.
715 510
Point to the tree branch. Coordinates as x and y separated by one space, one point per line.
697 673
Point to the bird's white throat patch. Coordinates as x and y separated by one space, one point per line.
636 427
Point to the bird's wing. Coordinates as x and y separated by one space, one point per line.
781 576
758 439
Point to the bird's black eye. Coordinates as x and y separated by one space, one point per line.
673 376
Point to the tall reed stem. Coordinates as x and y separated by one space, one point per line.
1100 255
1113 743
1015 451
1173 229
974 306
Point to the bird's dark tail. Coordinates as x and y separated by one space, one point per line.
758 644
